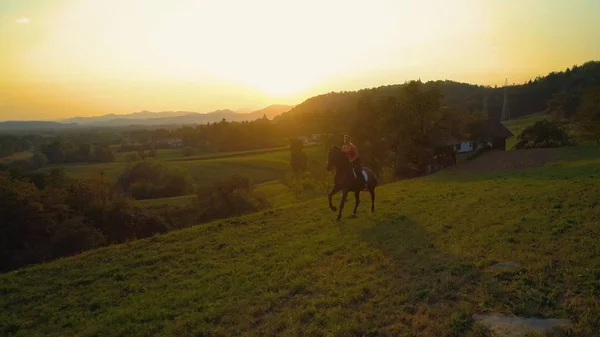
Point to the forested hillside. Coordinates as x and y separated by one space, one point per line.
337 110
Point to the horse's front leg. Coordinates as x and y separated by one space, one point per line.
344 195
372 191
335 189
357 196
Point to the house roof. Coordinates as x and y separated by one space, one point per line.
495 129
445 139
449 140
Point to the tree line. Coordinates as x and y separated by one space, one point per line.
566 88
45 216
558 93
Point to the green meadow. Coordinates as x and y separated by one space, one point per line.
259 165
421 265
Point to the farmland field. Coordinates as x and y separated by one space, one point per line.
419 266
259 166
17 156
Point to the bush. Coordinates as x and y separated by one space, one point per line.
121 221
150 179
75 235
132 157
314 182
298 159
388 175
230 198
20 167
189 151
543 134
39 160
65 218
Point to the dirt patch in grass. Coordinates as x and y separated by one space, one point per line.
505 325
505 265
497 161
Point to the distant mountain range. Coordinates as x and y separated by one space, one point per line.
177 117
33 125
148 118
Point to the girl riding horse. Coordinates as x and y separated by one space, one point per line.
347 180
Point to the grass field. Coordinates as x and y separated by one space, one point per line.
17 156
276 193
516 126
259 166
418 266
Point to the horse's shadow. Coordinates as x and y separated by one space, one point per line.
417 272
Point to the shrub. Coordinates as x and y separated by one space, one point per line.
309 184
150 179
20 167
76 235
230 198
103 154
65 218
39 160
543 134
189 151
388 175
298 159
121 221
132 157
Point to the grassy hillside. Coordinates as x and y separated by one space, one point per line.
259 166
419 266
276 193
516 126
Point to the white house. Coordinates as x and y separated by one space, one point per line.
465 146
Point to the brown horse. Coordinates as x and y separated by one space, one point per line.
346 181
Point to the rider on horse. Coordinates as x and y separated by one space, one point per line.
352 153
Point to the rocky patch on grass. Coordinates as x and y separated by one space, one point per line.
505 325
505 265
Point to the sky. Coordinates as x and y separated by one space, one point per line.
65 58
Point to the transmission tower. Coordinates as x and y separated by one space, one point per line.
505 111
485 103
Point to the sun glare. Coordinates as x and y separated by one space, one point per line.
283 50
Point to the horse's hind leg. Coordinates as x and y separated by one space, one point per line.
372 191
357 196
344 195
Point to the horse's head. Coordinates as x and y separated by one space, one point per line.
335 157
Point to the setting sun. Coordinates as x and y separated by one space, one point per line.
267 51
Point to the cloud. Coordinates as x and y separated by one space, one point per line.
22 20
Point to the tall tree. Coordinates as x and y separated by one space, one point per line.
588 114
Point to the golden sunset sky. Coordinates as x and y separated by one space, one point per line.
64 58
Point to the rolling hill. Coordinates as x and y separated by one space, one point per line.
9 126
421 265
177 117
145 118
337 109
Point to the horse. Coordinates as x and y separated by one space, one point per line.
345 180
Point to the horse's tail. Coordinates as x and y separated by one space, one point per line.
375 177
